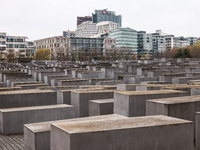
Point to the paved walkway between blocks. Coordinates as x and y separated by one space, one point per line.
12 142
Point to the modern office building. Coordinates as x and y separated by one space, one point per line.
105 15
159 41
69 33
106 26
145 43
86 29
126 38
80 20
60 45
86 44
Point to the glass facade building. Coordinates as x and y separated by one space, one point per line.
125 38
104 15
145 44
86 44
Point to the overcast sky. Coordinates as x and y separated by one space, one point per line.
38 19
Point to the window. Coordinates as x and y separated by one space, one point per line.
2 43
19 40
9 39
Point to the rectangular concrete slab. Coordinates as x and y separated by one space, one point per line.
101 107
80 99
139 133
25 98
178 107
12 120
37 135
133 103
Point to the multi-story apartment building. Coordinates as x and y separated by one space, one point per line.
69 33
86 29
30 49
80 20
60 46
193 40
145 44
126 38
17 45
184 41
158 41
176 42
106 26
105 15
2 45
57 45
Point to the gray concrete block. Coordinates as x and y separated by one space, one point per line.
80 99
140 133
133 103
12 120
197 131
37 135
25 98
101 107
178 107
73 82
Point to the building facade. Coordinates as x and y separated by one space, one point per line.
86 44
106 26
69 33
105 15
58 45
80 20
159 42
126 38
145 44
86 29
176 42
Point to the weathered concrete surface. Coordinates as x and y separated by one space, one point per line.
133 103
197 131
25 98
178 107
13 119
80 99
140 133
101 107
32 86
37 135
14 84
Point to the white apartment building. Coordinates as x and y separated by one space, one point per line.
176 42
106 26
86 29
17 45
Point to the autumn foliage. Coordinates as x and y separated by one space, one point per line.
42 54
184 52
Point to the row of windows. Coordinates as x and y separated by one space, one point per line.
16 46
14 40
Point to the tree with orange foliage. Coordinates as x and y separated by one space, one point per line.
42 54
